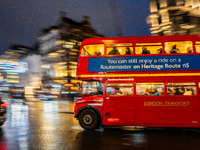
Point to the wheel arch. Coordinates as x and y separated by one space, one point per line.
90 107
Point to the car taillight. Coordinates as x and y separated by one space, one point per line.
3 104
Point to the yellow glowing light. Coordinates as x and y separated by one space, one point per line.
74 81
69 85
12 81
45 66
53 54
60 51
74 63
61 63
60 42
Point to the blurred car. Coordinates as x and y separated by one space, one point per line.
18 97
46 96
2 112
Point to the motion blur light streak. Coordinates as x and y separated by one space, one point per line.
172 17
139 138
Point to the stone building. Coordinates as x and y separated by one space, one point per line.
59 48
174 17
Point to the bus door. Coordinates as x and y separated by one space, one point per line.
119 104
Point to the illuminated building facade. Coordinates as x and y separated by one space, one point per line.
174 17
16 52
14 69
59 48
11 64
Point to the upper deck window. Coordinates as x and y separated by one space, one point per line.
197 46
178 47
148 48
119 49
92 50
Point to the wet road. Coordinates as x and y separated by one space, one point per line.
50 125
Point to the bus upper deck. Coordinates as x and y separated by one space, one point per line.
101 57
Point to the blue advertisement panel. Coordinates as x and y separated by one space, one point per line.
144 63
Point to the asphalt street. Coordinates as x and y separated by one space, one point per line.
50 125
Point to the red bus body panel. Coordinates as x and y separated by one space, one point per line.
153 111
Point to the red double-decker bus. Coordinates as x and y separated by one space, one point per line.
150 81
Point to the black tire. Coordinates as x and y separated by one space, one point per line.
88 119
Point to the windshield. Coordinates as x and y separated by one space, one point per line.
92 87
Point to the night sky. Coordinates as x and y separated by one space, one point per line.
22 20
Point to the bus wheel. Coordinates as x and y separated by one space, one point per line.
88 119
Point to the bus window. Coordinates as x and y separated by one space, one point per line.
197 47
119 89
92 87
92 50
148 48
199 87
119 50
181 89
178 47
153 88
